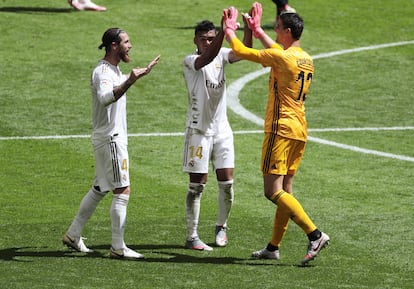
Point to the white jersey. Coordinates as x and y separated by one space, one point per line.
207 111
108 115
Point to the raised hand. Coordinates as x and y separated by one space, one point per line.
138 72
153 63
253 19
230 20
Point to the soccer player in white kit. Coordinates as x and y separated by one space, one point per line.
208 135
110 142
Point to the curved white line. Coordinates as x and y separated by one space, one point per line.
360 150
233 101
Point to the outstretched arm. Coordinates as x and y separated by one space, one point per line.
266 41
248 33
238 48
132 77
253 19
211 52
247 41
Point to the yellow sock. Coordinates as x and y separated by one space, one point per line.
280 226
288 203
276 196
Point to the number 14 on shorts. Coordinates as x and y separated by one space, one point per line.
196 152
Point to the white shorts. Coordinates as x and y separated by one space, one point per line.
200 149
111 166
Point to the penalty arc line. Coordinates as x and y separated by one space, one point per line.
360 150
233 101
234 104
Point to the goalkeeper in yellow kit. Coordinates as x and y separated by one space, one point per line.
285 123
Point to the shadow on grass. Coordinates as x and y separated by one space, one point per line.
16 254
35 10
13 254
266 26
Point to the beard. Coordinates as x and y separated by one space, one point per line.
124 56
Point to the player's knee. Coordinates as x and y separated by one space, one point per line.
226 188
97 190
196 189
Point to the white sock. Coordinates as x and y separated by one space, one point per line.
87 206
118 214
193 208
225 201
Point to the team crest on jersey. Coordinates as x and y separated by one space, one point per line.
219 65
191 163
105 83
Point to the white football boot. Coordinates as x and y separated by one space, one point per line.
76 243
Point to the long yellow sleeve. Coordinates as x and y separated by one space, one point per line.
243 51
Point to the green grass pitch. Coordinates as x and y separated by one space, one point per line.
355 180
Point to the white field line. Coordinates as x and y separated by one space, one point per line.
310 138
164 134
349 147
233 102
234 88
360 150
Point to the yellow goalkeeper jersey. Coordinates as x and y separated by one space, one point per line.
290 78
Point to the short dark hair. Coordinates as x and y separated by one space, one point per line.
110 35
204 26
294 22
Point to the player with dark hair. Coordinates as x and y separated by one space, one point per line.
110 143
285 123
208 135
